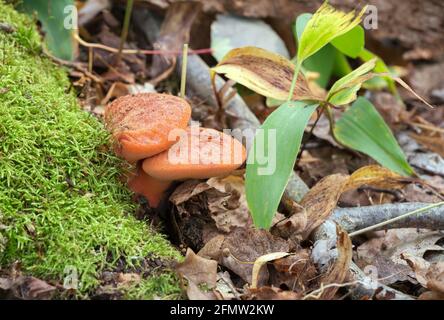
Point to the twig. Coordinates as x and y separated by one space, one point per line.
403 216
75 65
427 127
358 218
316 294
137 51
90 59
183 78
124 35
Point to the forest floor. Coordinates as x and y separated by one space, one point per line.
65 212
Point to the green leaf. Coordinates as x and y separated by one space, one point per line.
52 16
351 43
264 188
324 26
344 90
362 128
322 62
341 66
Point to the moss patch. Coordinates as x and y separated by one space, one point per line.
62 204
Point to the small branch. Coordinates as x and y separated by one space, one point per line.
358 218
426 127
75 65
400 217
124 35
137 51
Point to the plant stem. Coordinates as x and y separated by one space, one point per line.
304 145
293 82
183 79
124 35
384 223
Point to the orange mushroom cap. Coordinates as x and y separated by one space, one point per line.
141 123
200 153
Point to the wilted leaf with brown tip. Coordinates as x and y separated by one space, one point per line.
376 176
264 72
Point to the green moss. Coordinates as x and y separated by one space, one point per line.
150 287
61 201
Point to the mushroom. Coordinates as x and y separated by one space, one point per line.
200 153
141 123
141 183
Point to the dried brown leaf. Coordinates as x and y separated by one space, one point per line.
340 268
321 200
199 272
434 144
243 247
26 288
271 293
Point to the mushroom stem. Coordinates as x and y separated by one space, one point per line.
151 188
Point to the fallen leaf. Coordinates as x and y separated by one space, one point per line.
295 272
241 248
266 73
270 293
225 288
322 198
201 274
384 251
320 201
375 176
431 295
197 269
429 275
341 266
26 288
